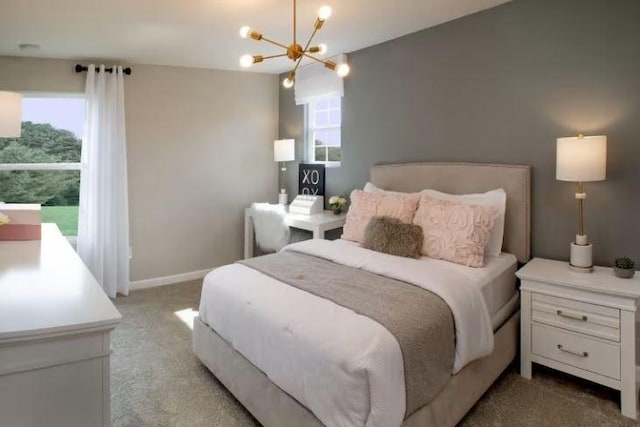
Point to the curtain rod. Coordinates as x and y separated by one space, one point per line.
80 68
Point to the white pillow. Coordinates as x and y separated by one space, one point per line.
370 188
497 198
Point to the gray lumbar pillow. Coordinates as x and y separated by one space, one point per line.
393 237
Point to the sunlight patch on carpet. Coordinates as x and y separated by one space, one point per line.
187 316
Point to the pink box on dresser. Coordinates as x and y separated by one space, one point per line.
24 221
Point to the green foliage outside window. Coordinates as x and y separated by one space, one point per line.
40 143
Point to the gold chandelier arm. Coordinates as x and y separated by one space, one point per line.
294 22
274 42
297 65
274 56
329 64
306 47
322 61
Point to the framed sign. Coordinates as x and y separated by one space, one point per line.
311 179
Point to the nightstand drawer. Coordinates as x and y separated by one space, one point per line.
590 319
580 352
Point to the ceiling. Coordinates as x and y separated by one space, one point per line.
204 33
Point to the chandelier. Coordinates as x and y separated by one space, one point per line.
295 51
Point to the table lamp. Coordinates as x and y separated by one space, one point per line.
10 114
581 159
284 150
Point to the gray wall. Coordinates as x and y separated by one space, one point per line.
500 86
200 150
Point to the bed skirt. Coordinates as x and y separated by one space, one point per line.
273 407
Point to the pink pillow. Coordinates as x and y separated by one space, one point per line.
454 231
364 206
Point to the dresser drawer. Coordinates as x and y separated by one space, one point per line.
581 352
33 354
590 319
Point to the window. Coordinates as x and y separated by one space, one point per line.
43 165
324 132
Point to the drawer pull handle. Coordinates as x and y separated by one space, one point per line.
572 316
576 353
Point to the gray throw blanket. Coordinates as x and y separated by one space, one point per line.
420 321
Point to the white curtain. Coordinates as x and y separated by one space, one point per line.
103 223
315 80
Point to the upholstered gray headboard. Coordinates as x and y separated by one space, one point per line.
463 178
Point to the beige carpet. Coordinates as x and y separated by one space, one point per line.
158 382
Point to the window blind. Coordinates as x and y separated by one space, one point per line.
315 80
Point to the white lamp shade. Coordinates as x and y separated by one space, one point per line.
581 158
284 150
10 114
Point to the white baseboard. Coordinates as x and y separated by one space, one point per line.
167 280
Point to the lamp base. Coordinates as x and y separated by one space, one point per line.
581 269
283 197
581 256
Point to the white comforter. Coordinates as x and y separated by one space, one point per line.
346 368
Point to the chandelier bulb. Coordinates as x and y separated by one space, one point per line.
343 70
244 31
287 83
324 13
322 48
246 61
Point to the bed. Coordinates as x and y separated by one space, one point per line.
258 336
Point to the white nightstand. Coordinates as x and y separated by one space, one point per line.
318 224
583 324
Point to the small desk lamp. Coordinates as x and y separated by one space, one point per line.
284 150
581 159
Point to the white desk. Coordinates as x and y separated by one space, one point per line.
318 224
55 322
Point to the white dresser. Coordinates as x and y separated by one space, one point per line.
583 324
55 322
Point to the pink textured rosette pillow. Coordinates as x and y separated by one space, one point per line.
365 206
454 231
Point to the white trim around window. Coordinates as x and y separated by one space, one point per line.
40 166
324 126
